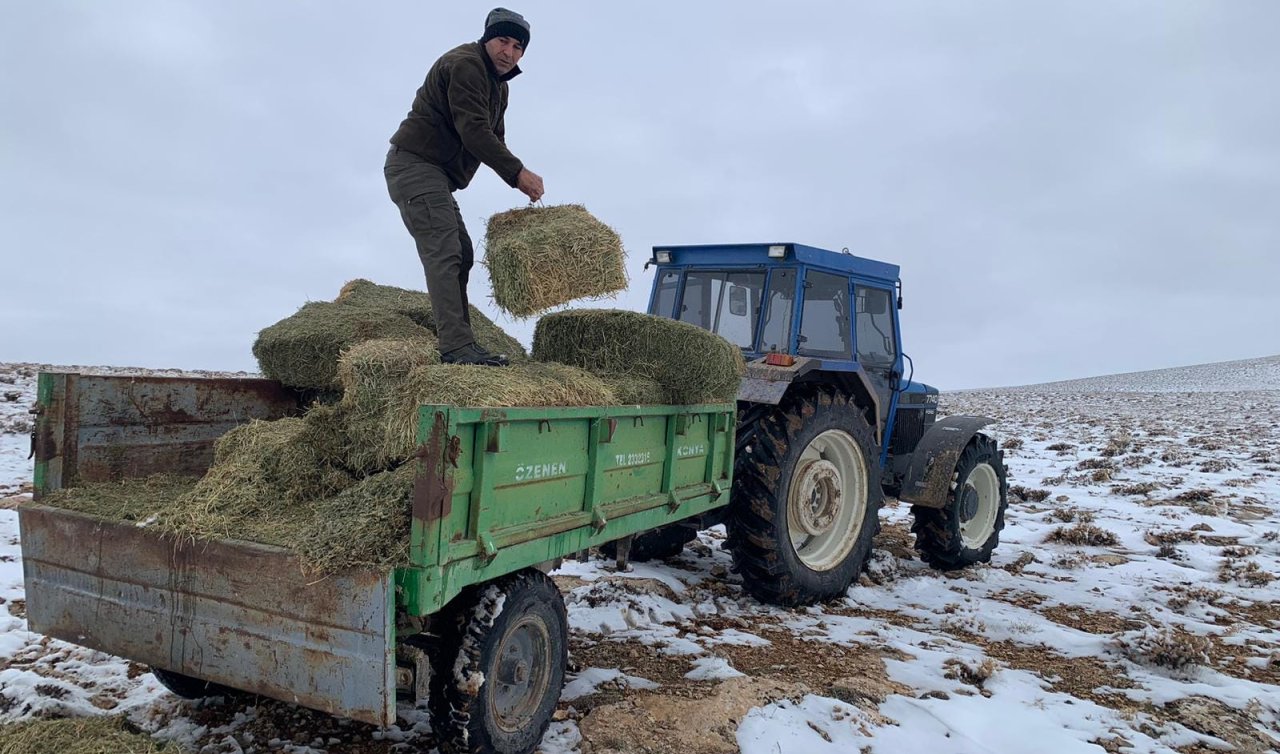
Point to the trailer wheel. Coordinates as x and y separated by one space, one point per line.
501 676
190 688
806 500
663 542
967 529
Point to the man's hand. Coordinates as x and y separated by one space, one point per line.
530 184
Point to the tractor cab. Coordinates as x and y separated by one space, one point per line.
800 315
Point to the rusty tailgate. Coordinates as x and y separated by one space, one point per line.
236 613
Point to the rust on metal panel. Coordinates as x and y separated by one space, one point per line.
929 475
235 613
118 427
433 486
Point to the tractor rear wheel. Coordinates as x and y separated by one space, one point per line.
806 500
967 529
500 669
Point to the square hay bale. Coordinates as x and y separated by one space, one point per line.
634 390
694 365
542 257
80 735
416 305
381 419
302 350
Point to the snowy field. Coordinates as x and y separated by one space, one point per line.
1131 607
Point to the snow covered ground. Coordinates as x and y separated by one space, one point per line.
1131 606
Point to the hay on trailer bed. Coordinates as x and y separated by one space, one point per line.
541 257
416 305
302 350
635 390
139 499
82 735
695 365
381 420
364 526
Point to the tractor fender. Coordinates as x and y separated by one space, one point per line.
928 479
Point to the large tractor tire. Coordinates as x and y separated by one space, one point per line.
806 500
499 668
967 529
664 542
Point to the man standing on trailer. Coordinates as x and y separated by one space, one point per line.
456 123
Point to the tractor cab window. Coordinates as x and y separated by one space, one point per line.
824 324
726 303
778 308
877 346
665 299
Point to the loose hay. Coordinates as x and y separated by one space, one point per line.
694 365
382 424
364 526
541 257
126 499
86 735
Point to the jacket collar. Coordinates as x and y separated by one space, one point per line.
488 64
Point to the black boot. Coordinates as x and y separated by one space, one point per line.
474 355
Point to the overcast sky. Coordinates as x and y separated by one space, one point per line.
1070 188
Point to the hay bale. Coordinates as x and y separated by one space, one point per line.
83 735
416 305
695 365
382 425
541 257
634 390
302 350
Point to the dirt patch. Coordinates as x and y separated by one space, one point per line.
1081 619
655 723
1080 677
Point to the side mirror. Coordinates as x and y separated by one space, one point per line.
738 301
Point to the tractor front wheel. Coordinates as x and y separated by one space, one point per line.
967 529
500 677
806 500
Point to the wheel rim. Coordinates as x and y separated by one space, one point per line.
521 674
979 500
827 500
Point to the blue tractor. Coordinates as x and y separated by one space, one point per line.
829 421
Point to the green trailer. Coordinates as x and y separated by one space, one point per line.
471 624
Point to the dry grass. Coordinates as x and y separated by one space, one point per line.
1169 647
87 735
1083 534
694 365
542 257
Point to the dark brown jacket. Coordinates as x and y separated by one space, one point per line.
457 117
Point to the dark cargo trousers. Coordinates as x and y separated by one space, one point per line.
425 197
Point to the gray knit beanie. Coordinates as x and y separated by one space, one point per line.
506 23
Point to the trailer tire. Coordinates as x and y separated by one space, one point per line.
664 542
967 529
818 447
188 687
501 666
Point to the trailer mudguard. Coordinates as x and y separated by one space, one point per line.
929 475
